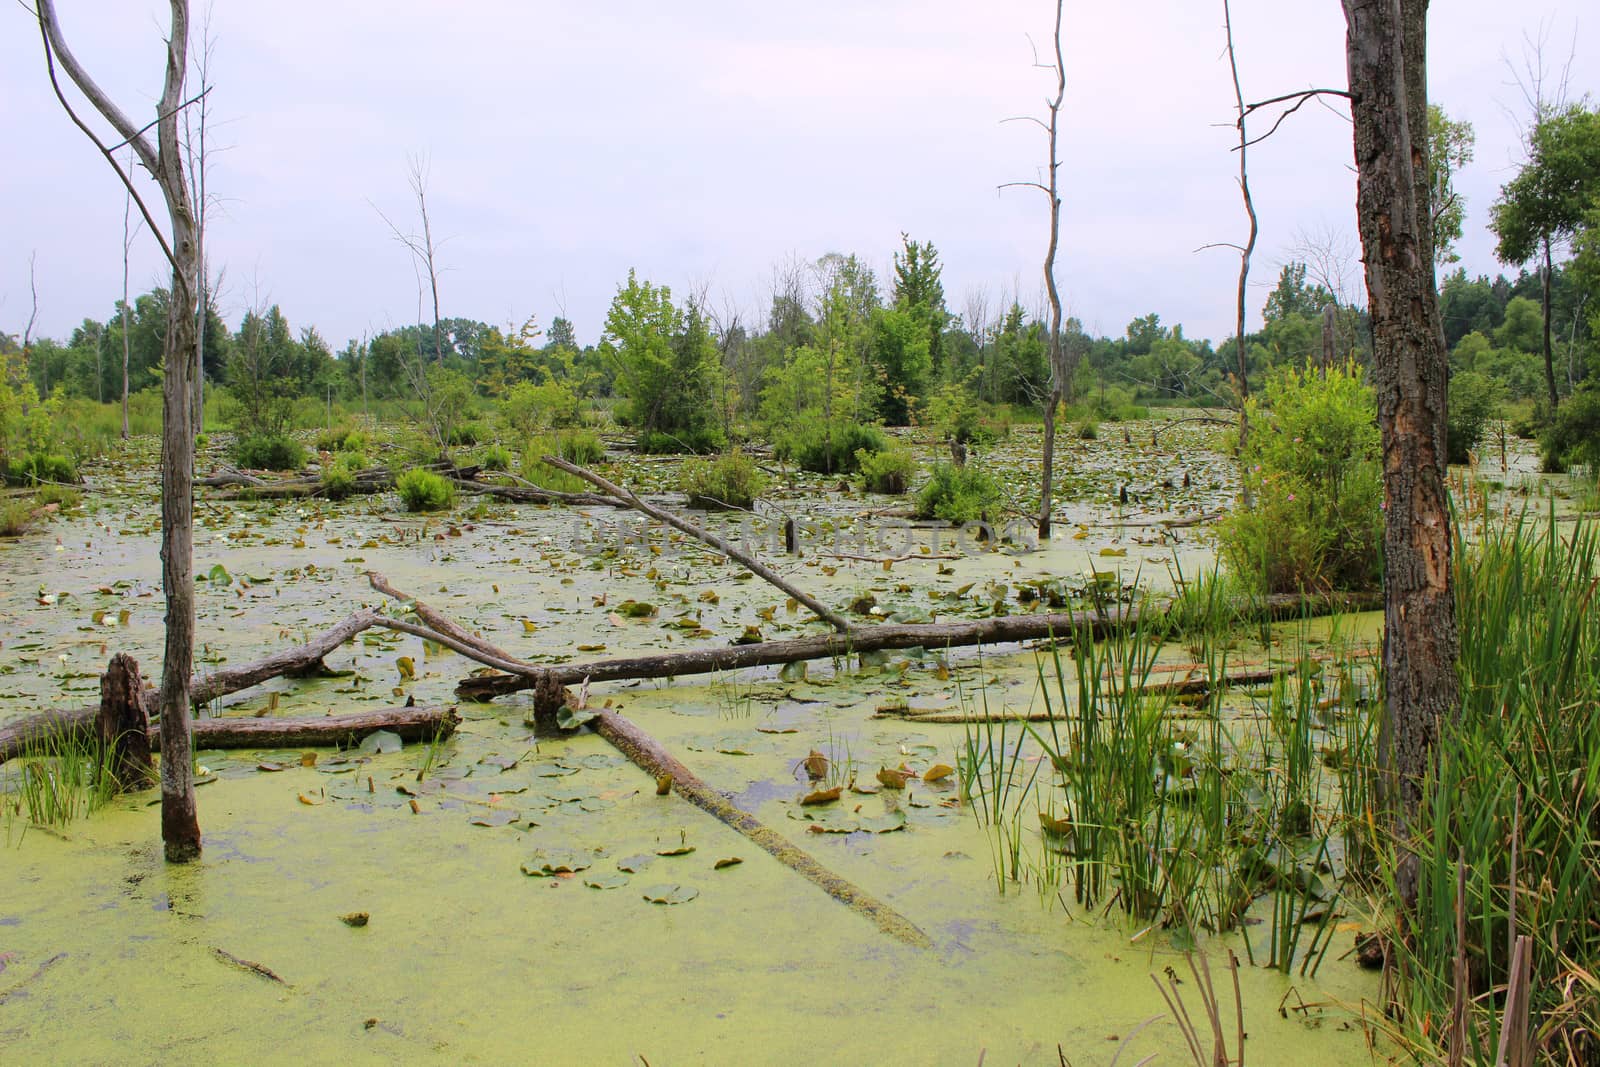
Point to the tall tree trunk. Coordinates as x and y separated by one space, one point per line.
1549 355
1386 52
127 344
180 824
1060 373
1249 246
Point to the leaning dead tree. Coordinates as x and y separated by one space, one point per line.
424 250
180 826
1387 50
1061 368
1249 246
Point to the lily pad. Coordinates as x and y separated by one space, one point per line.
612 880
670 893
546 863
382 741
497 817
886 823
635 864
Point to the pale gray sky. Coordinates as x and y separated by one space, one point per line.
704 141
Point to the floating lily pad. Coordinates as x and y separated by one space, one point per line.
675 850
614 880
726 862
634 864
670 894
546 863
497 817
382 741
886 823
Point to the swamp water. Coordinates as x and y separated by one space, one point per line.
468 959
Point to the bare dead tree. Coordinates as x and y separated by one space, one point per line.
128 234
1060 373
1387 55
33 316
180 826
977 318
424 250
196 124
1544 92
1249 247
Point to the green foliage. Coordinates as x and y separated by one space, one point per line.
445 404
666 364
1088 430
32 448
582 447
342 438
1573 434
270 453
36 468
496 458
467 434
64 497
888 471
16 518
1524 753
423 490
338 480
1313 470
1523 327
545 476
1554 193
959 494
1450 145
955 410
732 480
699 442
817 447
530 409
1473 399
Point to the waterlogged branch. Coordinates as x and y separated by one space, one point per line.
739 556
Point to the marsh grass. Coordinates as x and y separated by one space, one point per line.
58 779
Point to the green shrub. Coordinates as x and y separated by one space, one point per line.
732 480
813 447
467 434
702 441
1573 435
529 409
336 439
269 453
423 490
889 471
582 447
542 474
961 417
1472 402
1088 430
201 441
64 497
36 468
496 458
959 494
1313 470
16 518
356 461
338 480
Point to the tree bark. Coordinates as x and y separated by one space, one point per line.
123 726
1549 352
1249 246
1060 372
1386 50
328 731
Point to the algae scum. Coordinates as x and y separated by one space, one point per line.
531 899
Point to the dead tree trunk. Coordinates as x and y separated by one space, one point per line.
180 827
1386 47
124 726
1249 245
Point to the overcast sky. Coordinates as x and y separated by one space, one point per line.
706 141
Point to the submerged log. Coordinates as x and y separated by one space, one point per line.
123 726
1005 629
648 755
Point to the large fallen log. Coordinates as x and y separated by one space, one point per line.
1006 629
299 660
733 552
529 494
325 731
649 756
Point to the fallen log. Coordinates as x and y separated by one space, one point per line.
648 755
744 559
303 659
325 731
1005 629
521 494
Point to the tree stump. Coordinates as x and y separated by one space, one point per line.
123 726
549 697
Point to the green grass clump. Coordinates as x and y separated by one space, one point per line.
36 468
1088 429
542 474
582 447
732 480
701 441
959 494
57 779
467 434
423 490
269 453
496 458
16 518
63 496
339 479
889 471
